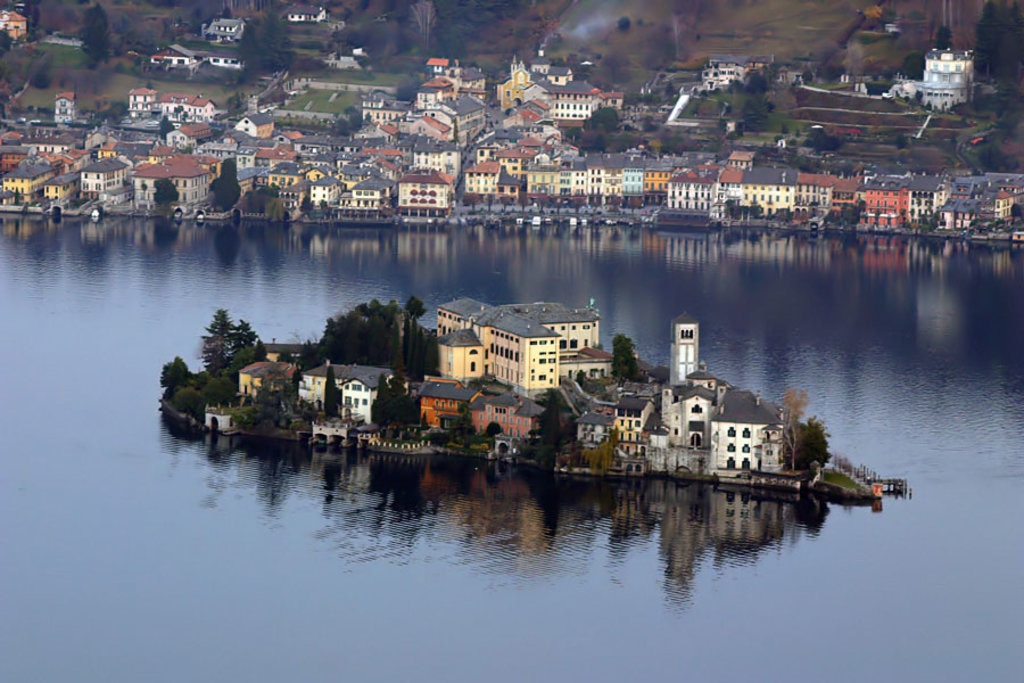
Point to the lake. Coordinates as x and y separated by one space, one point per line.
131 553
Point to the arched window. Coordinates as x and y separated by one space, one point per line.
730 464
731 448
746 448
696 409
746 433
732 431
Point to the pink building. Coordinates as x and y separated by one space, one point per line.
517 416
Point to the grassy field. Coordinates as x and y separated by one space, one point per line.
840 479
325 101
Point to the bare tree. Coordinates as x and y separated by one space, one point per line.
424 16
794 403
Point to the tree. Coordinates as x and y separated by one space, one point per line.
415 308
188 400
493 429
624 363
95 34
330 393
943 38
165 127
424 16
551 420
216 349
813 445
605 118
226 189
173 376
219 391
794 403
600 458
164 193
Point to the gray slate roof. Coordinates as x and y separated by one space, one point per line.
367 374
447 390
744 407
460 338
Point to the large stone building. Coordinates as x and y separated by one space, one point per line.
519 344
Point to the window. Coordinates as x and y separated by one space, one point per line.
731 448
746 448
732 431
697 409
746 433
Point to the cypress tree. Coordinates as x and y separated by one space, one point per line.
330 393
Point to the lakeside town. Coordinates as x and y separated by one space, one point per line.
522 383
466 148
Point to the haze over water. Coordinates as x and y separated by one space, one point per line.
132 554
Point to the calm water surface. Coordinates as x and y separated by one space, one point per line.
130 554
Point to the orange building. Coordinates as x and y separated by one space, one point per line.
886 202
15 25
441 400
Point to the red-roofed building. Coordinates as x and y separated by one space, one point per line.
190 177
182 108
426 193
13 24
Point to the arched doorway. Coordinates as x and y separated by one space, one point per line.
730 464
745 464
695 440
214 425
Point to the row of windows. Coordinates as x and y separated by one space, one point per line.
746 432
732 448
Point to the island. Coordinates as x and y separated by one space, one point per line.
528 384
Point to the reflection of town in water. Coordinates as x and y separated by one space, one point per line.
510 525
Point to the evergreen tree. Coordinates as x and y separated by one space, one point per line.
943 38
226 189
164 193
813 444
217 342
624 363
95 34
330 393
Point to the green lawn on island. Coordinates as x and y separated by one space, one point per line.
840 479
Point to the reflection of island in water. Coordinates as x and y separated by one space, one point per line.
511 525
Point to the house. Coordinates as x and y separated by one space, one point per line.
183 108
105 180
426 193
175 57
223 60
258 125
436 66
27 180
276 351
357 387
593 428
191 179
886 201
516 415
482 179
368 197
441 400
381 109
13 24
63 187
948 79
746 434
771 189
956 214
64 110
142 102
593 362
190 135
305 14
224 30
325 191
692 193
461 355
429 126
631 414
11 156
255 377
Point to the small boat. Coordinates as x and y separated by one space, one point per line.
572 221
200 217
535 223
95 215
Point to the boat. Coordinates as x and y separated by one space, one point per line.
95 215
535 223
200 217
572 221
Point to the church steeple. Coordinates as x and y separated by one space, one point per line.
685 348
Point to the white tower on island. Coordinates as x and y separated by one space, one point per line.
685 348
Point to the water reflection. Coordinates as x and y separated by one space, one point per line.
513 525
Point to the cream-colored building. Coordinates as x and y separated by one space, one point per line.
521 344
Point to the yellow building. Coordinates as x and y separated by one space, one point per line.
62 187
461 355
631 415
512 92
482 178
543 179
263 374
27 180
773 189
656 179
522 344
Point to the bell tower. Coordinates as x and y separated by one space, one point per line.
685 348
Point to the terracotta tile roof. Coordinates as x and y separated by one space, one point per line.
485 167
731 175
180 166
437 61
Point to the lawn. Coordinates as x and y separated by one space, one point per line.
840 479
326 101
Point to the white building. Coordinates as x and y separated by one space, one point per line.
746 434
64 109
948 78
357 388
